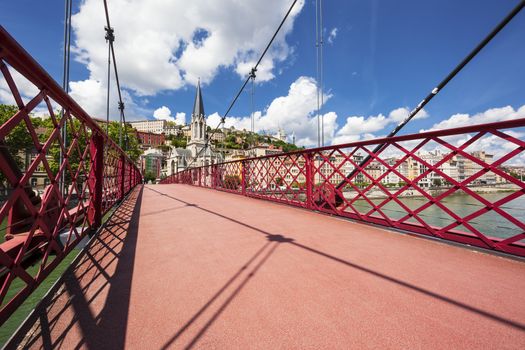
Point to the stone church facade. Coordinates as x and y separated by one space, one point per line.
196 152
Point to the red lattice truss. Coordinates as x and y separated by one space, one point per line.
41 226
318 179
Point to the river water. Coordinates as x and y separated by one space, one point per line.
490 223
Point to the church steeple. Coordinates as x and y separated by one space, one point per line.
198 118
198 106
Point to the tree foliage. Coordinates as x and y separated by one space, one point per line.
131 144
245 140
20 145
178 141
18 140
149 176
232 182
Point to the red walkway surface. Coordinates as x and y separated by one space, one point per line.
188 267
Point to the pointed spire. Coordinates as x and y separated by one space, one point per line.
198 106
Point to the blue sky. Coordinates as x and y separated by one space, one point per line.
386 55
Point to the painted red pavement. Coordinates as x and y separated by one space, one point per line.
189 267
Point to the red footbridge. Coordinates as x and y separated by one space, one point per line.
419 246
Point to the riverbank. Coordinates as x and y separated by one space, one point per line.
434 192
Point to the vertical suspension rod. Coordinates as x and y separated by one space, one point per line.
317 71
117 80
321 43
65 84
109 39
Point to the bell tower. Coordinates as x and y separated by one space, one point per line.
198 124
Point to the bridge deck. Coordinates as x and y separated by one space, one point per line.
183 267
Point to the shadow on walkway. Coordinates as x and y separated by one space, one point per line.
91 301
89 308
280 239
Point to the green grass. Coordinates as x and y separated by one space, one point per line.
3 228
12 324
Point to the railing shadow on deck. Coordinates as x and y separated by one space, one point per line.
100 282
269 247
281 239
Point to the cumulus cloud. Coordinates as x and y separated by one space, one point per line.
294 112
489 116
26 89
180 118
489 143
184 41
164 113
164 45
91 95
361 127
332 35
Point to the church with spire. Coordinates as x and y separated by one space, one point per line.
196 152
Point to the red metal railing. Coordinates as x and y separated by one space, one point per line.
459 184
53 192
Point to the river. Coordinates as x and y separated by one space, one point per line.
490 223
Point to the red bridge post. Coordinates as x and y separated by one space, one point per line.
130 177
243 177
122 175
214 169
96 149
309 182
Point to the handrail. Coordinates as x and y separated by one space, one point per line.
18 58
409 185
52 203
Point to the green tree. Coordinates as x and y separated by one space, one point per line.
149 176
131 146
163 148
286 147
178 141
18 140
18 143
232 182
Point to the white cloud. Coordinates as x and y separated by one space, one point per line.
332 35
361 127
356 125
164 113
399 114
26 89
164 45
489 143
489 116
91 95
294 112
180 118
